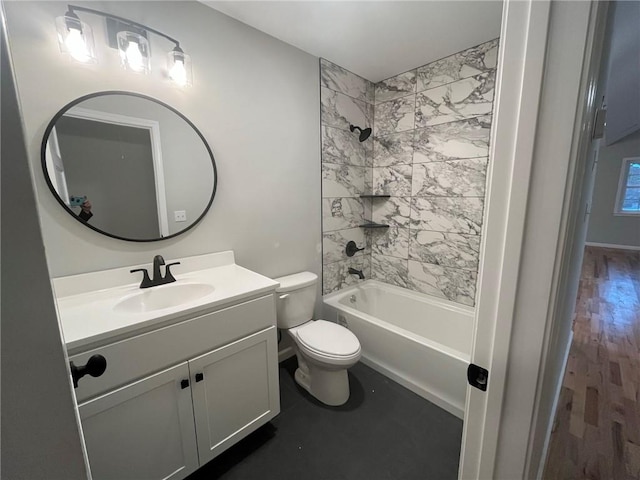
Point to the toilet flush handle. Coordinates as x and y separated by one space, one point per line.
284 296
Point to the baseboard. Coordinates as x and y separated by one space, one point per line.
612 245
545 448
285 353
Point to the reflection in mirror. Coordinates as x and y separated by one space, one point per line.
129 166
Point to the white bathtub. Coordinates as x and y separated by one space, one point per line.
421 342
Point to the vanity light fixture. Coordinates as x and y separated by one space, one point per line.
76 38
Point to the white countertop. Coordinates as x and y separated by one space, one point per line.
86 302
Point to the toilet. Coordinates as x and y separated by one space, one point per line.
325 350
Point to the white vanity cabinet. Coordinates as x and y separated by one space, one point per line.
143 430
235 390
213 378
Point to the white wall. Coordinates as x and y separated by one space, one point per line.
621 41
604 226
254 98
623 94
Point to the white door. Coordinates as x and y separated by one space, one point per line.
143 430
235 391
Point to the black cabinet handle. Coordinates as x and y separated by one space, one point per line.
95 366
199 377
184 383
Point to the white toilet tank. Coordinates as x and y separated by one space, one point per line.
296 297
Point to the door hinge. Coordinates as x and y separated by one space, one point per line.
478 377
587 212
599 123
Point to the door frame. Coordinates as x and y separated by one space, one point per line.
153 127
523 251
521 59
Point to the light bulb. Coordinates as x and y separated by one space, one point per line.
134 57
76 46
134 51
178 73
179 66
75 38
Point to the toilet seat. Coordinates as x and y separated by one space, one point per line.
328 341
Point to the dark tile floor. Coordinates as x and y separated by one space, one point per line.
383 432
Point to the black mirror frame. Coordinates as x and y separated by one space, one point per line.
64 109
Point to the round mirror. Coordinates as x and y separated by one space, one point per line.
129 166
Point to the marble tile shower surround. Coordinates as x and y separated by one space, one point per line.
459 140
465 98
395 116
346 173
452 178
340 110
468 63
341 80
430 152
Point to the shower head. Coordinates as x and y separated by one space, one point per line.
364 134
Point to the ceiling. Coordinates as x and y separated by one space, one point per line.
374 39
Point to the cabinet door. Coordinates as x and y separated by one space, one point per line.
235 390
143 430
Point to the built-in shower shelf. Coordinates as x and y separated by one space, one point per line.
374 196
374 225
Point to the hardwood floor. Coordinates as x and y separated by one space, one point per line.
596 433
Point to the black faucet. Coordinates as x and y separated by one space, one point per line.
157 279
353 271
352 248
157 261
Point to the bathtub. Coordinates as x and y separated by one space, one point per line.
419 341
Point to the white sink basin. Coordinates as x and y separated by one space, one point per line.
164 296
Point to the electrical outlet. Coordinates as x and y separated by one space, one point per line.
180 215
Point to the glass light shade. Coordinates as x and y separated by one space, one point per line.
76 39
135 53
179 65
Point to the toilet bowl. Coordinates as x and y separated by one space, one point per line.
325 350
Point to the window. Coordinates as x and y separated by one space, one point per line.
628 199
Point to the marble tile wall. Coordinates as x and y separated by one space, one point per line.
346 173
430 153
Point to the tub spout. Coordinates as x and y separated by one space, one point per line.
353 271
